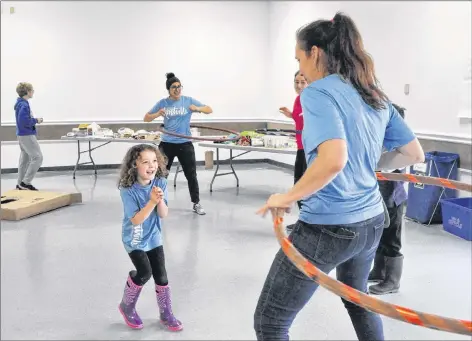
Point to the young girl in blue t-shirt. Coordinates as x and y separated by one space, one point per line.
143 189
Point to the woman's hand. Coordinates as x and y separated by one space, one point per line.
151 117
194 108
275 201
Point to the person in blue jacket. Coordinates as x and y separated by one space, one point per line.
31 157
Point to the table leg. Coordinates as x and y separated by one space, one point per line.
91 159
231 165
78 159
216 170
177 171
89 151
231 158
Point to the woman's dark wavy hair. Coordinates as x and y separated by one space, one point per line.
344 55
129 173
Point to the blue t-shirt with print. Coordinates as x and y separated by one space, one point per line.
177 117
147 235
333 109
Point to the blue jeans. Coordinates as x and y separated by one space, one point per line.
348 248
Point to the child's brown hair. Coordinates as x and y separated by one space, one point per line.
22 89
129 174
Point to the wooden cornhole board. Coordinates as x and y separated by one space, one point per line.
17 205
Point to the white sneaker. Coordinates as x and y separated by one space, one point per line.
198 209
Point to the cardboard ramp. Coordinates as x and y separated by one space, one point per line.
17 205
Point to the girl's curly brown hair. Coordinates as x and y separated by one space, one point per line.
129 174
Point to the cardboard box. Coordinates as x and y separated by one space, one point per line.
17 205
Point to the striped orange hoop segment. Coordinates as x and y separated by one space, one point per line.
361 299
427 180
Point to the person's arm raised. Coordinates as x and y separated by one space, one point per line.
149 117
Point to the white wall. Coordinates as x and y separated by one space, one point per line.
424 44
285 18
104 60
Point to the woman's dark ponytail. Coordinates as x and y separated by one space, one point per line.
344 52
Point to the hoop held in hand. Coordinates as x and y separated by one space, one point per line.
361 299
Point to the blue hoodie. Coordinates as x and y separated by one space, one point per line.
25 123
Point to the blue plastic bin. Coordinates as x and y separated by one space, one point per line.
423 200
457 217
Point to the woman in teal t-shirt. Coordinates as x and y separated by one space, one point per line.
177 111
347 122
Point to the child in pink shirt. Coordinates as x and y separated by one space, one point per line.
297 115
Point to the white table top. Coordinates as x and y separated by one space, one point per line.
291 151
114 139
106 139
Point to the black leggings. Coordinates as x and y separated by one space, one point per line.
149 263
391 241
185 153
300 168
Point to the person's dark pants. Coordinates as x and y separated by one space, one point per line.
147 264
348 248
388 262
185 153
391 241
300 168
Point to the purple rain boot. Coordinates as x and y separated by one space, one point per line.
128 304
165 309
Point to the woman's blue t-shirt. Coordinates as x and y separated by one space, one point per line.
333 109
177 117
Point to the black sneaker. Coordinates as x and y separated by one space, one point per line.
19 188
27 187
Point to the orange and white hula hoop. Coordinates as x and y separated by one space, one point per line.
361 299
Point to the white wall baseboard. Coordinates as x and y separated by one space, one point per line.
462 139
195 119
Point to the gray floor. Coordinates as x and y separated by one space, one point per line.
62 273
